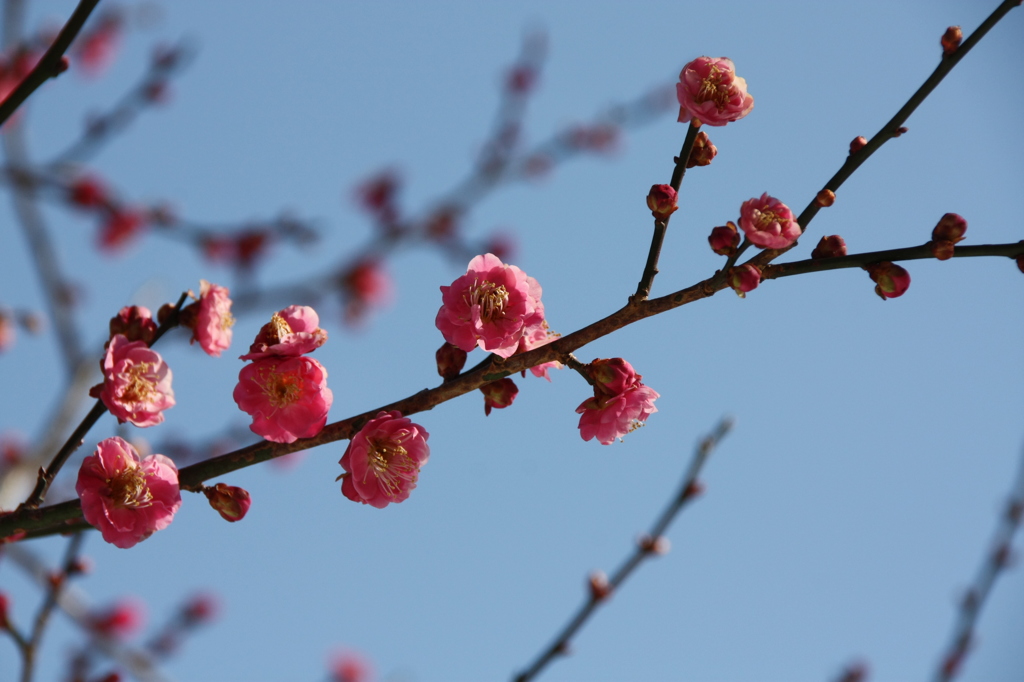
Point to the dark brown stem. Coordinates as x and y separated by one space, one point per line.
643 289
645 549
51 65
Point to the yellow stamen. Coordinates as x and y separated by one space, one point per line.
391 464
281 389
128 488
491 298
279 328
141 385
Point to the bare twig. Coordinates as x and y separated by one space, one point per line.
651 544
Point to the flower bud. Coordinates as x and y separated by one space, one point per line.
744 278
1020 262
951 40
499 394
825 198
829 247
951 227
942 249
163 313
600 589
4 623
200 608
135 323
702 152
612 376
87 192
891 280
724 239
858 144
231 503
662 201
659 545
450 361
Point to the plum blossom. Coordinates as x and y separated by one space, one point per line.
499 394
492 306
120 227
768 223
287 397
213 320
891 280
230 501
121 620
137 383
125 498
662 201
535 338
724 239
382 462
709 91
744 278
291 332
620 403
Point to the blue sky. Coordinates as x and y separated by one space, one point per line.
875 442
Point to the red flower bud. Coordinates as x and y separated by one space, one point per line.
87 192
200 608
499 394
231 503
858 144
659 545
829 247
662 201
724 239
600 589
891 280
744 278
825 198
4 623
702 152
450 361
951 227
951 40
135 323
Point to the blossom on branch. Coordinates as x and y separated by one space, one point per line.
498 394
287 397
231 502
724 239
137 383
382 462
125 498
120 227
709 91
291 332
891 280
832 246
135 323
492 306
744 278
662 201
213 319
535 338
620 404
768 223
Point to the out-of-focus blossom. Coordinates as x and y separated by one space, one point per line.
88 191
662 201
724 239
213 319
122 620
97 45
348 666
200 608
137 383
611 414
709 91
5 624
135 323
366 285
383 461
125 498
231 502
120 227
499 394
503 245
768 222
450 360
7 331
287 397
536 337
290 332
891 280
378 196
744 278
601 137
703 152
492 306
832 246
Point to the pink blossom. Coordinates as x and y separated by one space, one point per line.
126 499
768 223
499 394
383 461
88 192
492 306
135 323
744 278
213 319
709 91
891 280
137 383
122 620
290 332
231 502
612 413
120 227
536 337
287 397
349 666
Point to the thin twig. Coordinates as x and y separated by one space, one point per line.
650 545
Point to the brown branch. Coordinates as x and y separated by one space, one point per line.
650 545
51 64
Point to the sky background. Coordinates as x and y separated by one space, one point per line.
875 441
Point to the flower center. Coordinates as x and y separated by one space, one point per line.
712 90
128 488
279 329
282 389
141 386
492 299
765 218
392 466
227 321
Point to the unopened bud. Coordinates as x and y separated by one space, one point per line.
724 239
900 131
829 247
744 278
695 489
891 280
951 40
135 323
4 623
164 313
662 201
499 394
703 152
825 198
231 502
659 545
200 608
942 249
951 227
600 588
450 361
858 144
